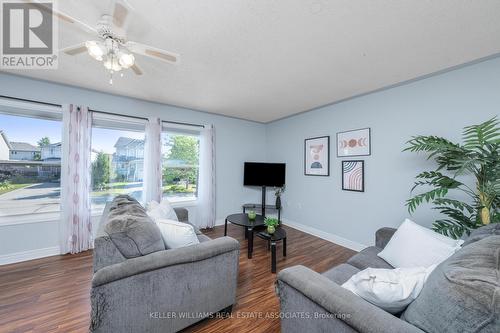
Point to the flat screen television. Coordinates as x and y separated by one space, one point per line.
264 174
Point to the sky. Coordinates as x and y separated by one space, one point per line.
24 129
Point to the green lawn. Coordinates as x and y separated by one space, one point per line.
115 189
179 188
12 187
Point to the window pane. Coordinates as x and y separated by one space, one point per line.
117 165
180 166
30 165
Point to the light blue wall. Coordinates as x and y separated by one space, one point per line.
236 141
439 105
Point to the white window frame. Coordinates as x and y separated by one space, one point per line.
20 108
181 129
106 121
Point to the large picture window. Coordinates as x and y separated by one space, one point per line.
117 160
180 165
30 165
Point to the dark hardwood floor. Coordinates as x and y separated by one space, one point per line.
52 294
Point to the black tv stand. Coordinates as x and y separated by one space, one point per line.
263 208
263 205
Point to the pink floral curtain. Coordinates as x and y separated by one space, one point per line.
76 225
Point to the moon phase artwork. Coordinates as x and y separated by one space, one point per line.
317 156
354 143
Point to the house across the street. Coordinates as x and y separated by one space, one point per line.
23 158
128 159
23 151
51 152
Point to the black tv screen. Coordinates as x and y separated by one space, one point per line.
264 174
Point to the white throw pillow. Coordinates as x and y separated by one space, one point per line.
415 246
161 210
176 234
389 289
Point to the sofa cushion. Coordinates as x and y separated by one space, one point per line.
483 232
463 293
368 258
341 273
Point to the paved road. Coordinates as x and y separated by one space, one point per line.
45 197
36 198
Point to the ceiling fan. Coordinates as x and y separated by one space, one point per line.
112 47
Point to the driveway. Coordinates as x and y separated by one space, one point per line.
35 198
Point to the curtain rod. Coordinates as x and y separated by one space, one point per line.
117 114
30 100
181 123
144 118
98 111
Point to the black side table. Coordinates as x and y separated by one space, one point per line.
249 225
279 234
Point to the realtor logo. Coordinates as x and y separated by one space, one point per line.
28 35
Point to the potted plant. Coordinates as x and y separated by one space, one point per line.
278 191
478 156
271 224
252 215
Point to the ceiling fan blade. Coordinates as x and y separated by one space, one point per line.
136 69
153 52
75 49
62 16
120 14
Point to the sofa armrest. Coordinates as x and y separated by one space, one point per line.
361 315
165 258
383 236
182 214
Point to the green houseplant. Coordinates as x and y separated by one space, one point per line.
271 224
477 156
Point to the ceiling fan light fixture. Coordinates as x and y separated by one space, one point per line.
112 64
126 60
95 50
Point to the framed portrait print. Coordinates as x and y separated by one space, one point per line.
354 143
353 176
317 156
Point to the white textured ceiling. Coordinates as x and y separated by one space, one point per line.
263 60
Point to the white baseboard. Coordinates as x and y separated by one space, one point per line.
12 258
318 233
325 235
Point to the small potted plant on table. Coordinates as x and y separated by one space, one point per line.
252 215
271 224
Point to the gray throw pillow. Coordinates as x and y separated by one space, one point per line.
463 293
134 236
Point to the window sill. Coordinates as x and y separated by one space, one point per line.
185 203
55 216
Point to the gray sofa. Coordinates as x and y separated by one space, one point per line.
139 285
461 295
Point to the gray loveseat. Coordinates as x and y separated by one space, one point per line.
141 286
461 295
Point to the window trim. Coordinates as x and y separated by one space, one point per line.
34 110
47 111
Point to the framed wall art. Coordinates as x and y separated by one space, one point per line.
354 143
353 176
317 156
